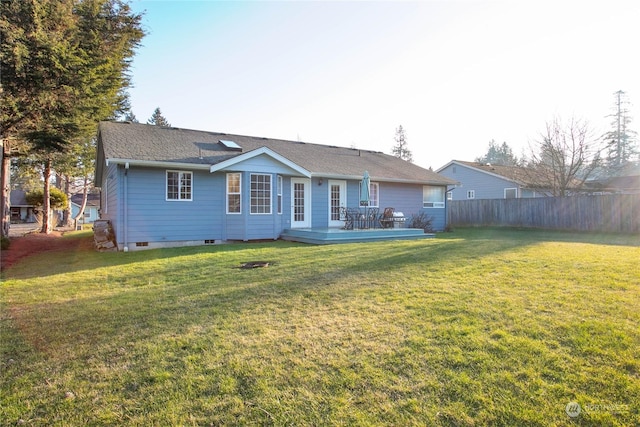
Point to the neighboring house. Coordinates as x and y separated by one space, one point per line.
21 211
626 182
90 210
164 186
486 181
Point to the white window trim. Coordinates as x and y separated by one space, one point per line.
270 194
239 193
432 204
511 188
166 186
471 194
377 187
279 201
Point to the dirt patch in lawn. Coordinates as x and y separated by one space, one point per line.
35 243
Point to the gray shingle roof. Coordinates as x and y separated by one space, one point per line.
142 142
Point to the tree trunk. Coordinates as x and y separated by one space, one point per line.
67 221
83 205
5 197
46 203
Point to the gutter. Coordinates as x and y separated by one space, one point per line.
378 179
157 163
126 208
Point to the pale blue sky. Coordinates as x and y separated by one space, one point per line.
454 74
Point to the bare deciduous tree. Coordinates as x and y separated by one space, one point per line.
564 157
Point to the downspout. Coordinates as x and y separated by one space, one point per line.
126 208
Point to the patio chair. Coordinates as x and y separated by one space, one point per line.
386 219
355 216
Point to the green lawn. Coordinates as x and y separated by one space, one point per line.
472 328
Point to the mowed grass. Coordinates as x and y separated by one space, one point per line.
473 328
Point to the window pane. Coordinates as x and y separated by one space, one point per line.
373 194
433 197
260 194
279 194
185 186
234 193
172 185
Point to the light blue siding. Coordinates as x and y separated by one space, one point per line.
484 186
151 218
319 203
110 199
408 199
90 213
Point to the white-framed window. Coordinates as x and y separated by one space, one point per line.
179 184
510 193
471 194
279 193
234 193
433 197
260 193
374 194
450 195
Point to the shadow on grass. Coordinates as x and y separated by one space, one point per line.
193 287
535 235
82 259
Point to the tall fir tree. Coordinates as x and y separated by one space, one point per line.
498 154
64 67
621 146
401 148
158 119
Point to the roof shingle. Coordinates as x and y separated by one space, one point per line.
142 142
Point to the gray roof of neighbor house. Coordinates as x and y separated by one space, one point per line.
521 175
93 199
18 198
166 146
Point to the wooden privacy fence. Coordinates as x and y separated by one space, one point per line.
614 213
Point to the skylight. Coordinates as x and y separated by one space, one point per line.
230 145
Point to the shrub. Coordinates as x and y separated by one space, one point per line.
57 198
4 243
421 220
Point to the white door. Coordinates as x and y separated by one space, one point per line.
337 200
300 203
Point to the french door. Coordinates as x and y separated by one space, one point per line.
337 200
300 203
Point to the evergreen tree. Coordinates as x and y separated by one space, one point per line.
498 155
64 68
621 147
401 149
130 117
158 119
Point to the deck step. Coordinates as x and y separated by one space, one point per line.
321 236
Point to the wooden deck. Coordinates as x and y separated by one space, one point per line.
323 236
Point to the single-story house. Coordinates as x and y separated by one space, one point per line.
166 186
487 181
627 181
21 211
90 210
